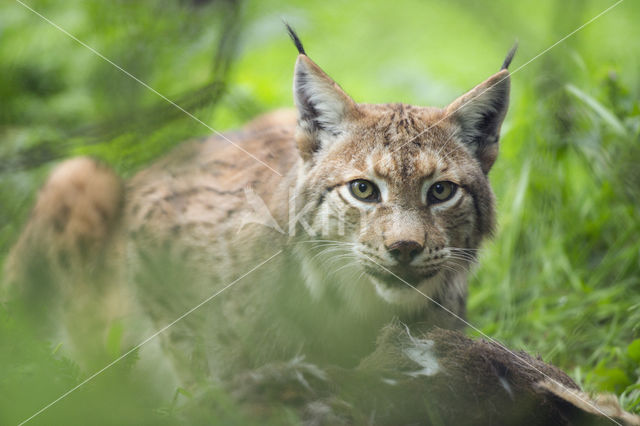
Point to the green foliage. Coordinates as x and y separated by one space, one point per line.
561 277
33 375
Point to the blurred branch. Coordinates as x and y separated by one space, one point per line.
143 122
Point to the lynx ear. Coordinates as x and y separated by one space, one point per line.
323 107
479 114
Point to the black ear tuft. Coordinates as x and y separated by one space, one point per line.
295 39
510 55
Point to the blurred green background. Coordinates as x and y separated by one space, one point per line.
561 277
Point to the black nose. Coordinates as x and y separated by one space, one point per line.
404 251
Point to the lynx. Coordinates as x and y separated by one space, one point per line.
314 229
315 250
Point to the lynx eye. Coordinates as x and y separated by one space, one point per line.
364 190
441 191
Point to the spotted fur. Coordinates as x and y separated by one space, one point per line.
186 227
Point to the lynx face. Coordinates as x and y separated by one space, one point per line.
400 192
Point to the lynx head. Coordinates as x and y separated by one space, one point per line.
399 193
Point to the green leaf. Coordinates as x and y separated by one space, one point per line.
55 350
609 117
634 350
611 379
114 340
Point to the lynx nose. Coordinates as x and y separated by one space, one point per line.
404 251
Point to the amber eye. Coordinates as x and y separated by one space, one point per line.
364 190
441 191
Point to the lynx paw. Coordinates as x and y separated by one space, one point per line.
288 382
295 384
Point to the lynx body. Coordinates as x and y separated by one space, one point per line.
320 226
